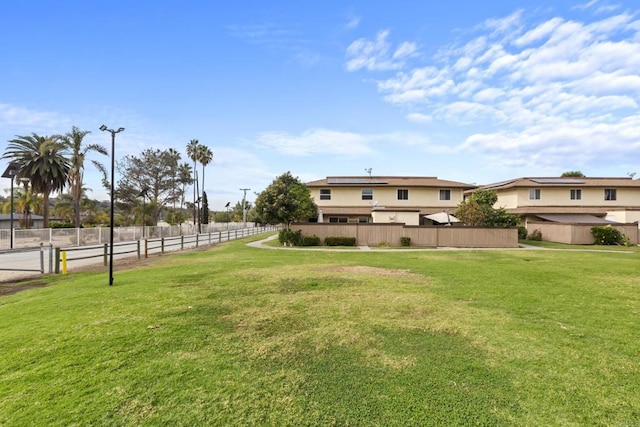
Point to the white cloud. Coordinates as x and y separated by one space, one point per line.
419 118
17 117
353 22
315 141
536 89
378 55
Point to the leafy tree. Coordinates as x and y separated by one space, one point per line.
285 201
150 171
576 174
43 161
478 211
174 156
76 173
185 178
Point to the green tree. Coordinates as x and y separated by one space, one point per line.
193 153
285 201
79 153
477 210
205 209
184 178
576 174
151 171
205 155
43 161
174 157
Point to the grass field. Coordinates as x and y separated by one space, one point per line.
242 336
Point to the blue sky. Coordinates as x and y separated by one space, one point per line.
469 91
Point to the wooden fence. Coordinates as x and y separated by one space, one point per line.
432 236
578 234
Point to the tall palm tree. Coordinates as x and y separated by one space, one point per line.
192 153
205 155
79 153
184 178
42 160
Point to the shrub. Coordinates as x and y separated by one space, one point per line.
522 233
607 235
535 235
405 241
56 224
310 241
340 241
289 237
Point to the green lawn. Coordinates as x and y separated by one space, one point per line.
242 336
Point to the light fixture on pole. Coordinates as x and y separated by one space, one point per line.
11 172
144 192
113 151
244 207
228 218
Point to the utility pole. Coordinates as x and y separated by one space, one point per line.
244 207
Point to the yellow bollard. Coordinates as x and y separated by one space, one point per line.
63 255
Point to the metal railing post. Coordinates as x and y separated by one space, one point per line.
57 260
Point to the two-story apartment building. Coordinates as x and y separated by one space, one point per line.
384 199
570 199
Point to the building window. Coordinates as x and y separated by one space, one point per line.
576 194
363 220
338 219
445 194
403 194
610 194
325 194
534 194
367 194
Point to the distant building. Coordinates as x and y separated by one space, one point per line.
385 199
570 199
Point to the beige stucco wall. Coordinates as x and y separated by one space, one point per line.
561 196
577 234
387 197
391 216
625 216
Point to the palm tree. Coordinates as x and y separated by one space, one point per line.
192 153
74 140
205 155
184 178
42 160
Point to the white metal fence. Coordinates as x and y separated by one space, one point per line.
62 237
58 252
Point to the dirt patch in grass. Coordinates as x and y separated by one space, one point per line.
363 269
9 288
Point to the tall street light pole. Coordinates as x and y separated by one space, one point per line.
11 172
113 152
244 207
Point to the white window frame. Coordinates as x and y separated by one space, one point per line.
576 194
367 194
535 194
326 195
405 192
611 194
446 192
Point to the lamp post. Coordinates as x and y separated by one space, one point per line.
113 148
228 218
26 214
143 193
244 207
11 172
